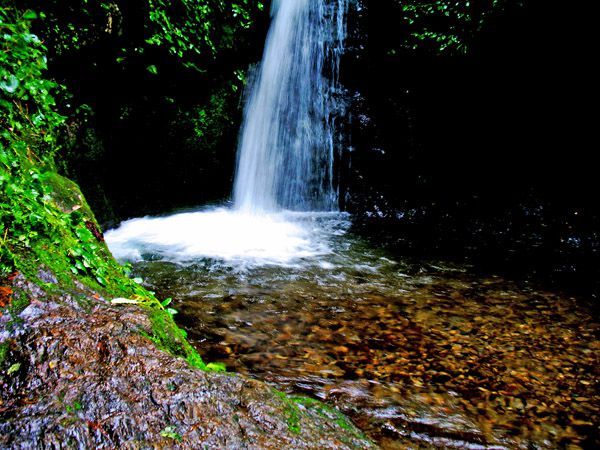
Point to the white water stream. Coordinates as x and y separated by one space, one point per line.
287 145
285 158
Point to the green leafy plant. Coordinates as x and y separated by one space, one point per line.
27 120
197 30
169 432
27 104
74 24
446 26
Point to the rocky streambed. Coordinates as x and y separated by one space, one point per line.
418 355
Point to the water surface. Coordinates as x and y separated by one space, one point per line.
418 354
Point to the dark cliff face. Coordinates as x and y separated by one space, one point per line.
483 154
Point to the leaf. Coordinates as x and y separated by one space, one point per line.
14 368
169 432
84 234
216 367
30 15
152 69
124 301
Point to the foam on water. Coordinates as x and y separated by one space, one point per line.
229 236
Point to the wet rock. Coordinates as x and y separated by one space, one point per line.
92 380
47 276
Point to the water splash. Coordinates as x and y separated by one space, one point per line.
285 159
233 238
287 145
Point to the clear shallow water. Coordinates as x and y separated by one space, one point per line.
419 354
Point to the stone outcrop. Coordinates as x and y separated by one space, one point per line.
78 372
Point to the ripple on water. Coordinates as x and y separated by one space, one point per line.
419 355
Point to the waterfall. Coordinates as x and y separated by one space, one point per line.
285 194
287 143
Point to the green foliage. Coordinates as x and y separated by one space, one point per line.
197 30
133 68
74 24
169 432
446 26
209 121
27 106
40 211
27 123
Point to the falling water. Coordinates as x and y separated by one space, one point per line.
285 196
287 145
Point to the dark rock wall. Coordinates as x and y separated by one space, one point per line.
484 155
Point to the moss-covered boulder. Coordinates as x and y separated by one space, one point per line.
77 371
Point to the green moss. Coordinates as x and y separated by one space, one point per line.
343 423
4 348
292 412
73 407
66 194
167 336
328 413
